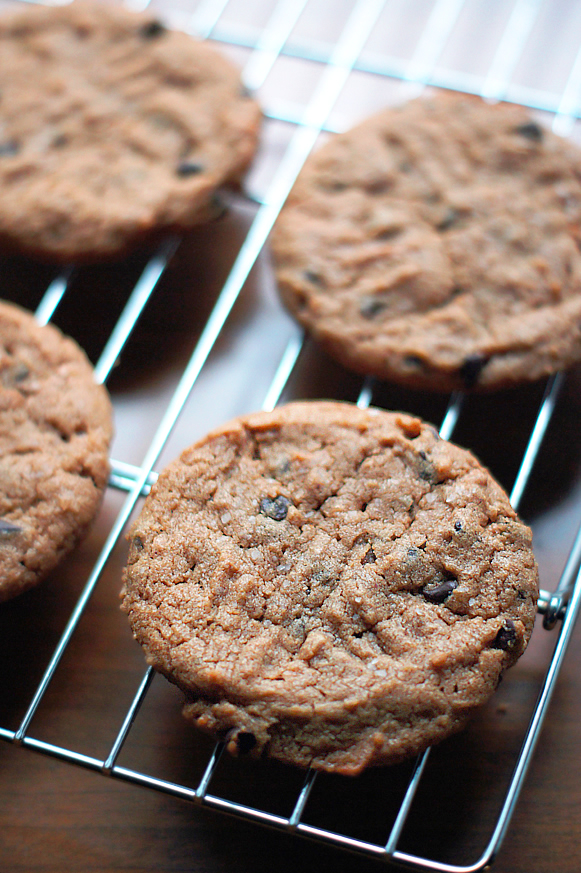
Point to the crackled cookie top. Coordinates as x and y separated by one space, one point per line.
112 127
331 586
55 429
437 245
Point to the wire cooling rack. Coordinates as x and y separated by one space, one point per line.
317 67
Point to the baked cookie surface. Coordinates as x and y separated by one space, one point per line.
112 128
330 586
55 430
437 245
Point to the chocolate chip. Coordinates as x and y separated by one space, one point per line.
7 529
506 637
450 218
457 525
282 467
388 233
413 362
333 185
472 368
313 278
189 168
371 306
276 509
152 30
427 470
531 131
14 375
218 207
440 592
369 557
245 742
9 148
20 372
378 186
137 544
60 140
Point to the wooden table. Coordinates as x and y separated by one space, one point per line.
58 816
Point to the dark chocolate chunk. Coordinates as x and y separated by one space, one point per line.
60 140
21 372
531 130
369 557
449 220
282 467
276 509
506 637
152 30
314 278
414 362
427 469
334 185
439 593
239 741
457 525
388 233
371 306
189 168
472 368
378 186
14 375
7 529
245 742
322 575
9 148
218 206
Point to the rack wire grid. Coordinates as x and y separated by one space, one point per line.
317 67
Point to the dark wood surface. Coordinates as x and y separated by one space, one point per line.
56 816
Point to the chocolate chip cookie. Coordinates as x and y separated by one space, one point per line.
112 128
55 429
330 586
437 245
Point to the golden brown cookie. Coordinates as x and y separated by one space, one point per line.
331 586
437 245
55 429
112 128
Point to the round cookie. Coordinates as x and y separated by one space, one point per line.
55 429
112 128
437 245
331 586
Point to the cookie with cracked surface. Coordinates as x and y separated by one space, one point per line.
55 430
330 586
437 245
113 128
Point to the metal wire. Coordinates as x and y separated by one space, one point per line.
345 57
